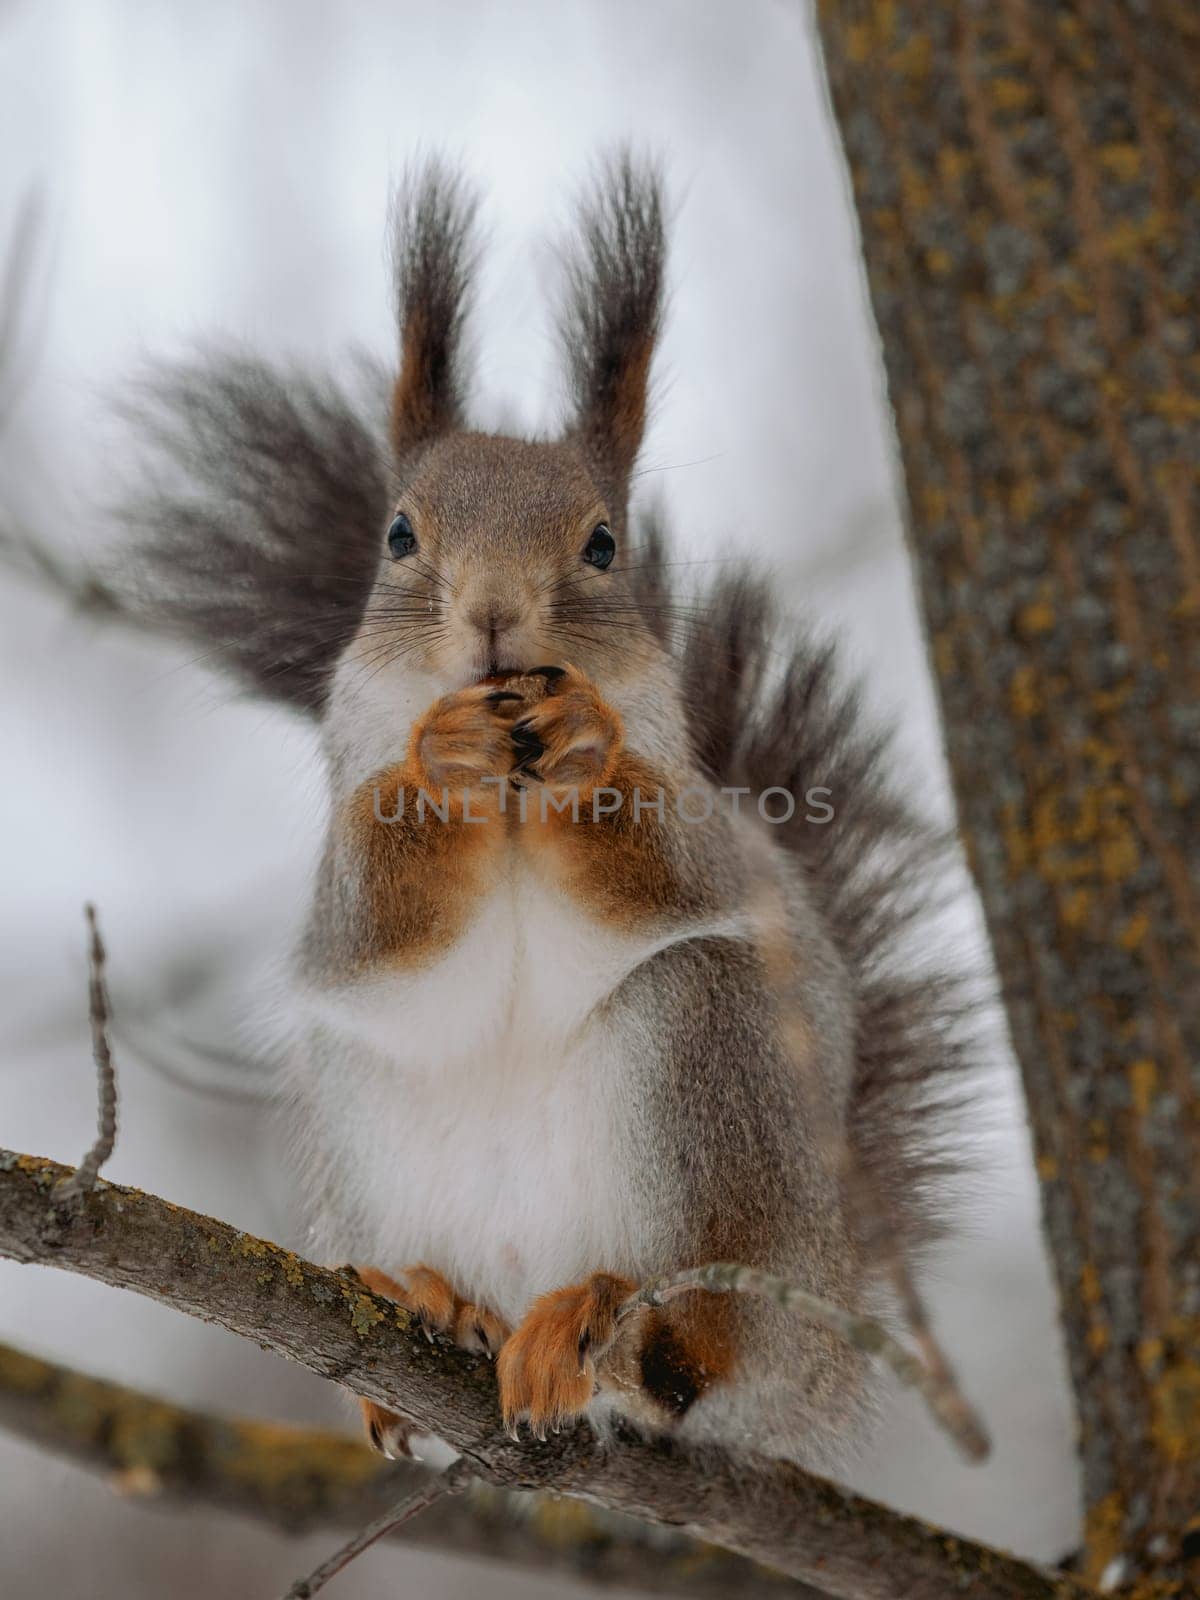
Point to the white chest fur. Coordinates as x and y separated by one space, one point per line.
476 1114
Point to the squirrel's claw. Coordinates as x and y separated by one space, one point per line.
527 747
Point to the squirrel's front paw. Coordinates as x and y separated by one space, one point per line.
572 737
467 736
546 1372
430 1297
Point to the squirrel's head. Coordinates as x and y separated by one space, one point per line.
503 554
274 530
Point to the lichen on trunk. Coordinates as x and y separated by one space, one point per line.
1027 180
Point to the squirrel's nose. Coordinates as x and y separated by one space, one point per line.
493 616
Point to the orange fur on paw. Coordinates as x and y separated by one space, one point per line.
571 739
546 1373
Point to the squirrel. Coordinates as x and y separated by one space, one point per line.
570 1009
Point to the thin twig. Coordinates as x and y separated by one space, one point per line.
945 1403
951 1406
455 1478
83 1180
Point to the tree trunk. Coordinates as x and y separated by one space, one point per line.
1027 178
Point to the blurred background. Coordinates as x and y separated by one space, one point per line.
224 170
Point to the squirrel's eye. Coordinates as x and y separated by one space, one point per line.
601 547
402 541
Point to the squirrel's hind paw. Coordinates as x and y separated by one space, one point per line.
546 1373
388 1433
433 1301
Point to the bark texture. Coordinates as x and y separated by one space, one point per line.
769 1511
298 1479
1027 179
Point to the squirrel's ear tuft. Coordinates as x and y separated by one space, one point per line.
610 318
433 257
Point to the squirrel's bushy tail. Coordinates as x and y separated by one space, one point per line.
769 708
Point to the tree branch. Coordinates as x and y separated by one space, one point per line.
299 1479
771 1511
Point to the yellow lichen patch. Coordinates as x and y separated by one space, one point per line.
1103 1536
1047 1168
1127 239
1143 1079
1023 694
914 189
245 1244
859 40
1104 755
267 1454
940 263
563 1523
933 503
1022 499
1076 292
1036 618
146 1433
1176 405
1108 701
1075 907
1097 1338
365 1315
38 1165
1149 1356
885 20
1010 94
83 1407
913 59
953 163
1124 161
1078 838
1049 836
292 1270
1089 1285
1119 856
944 655
22 1374
1176 1401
